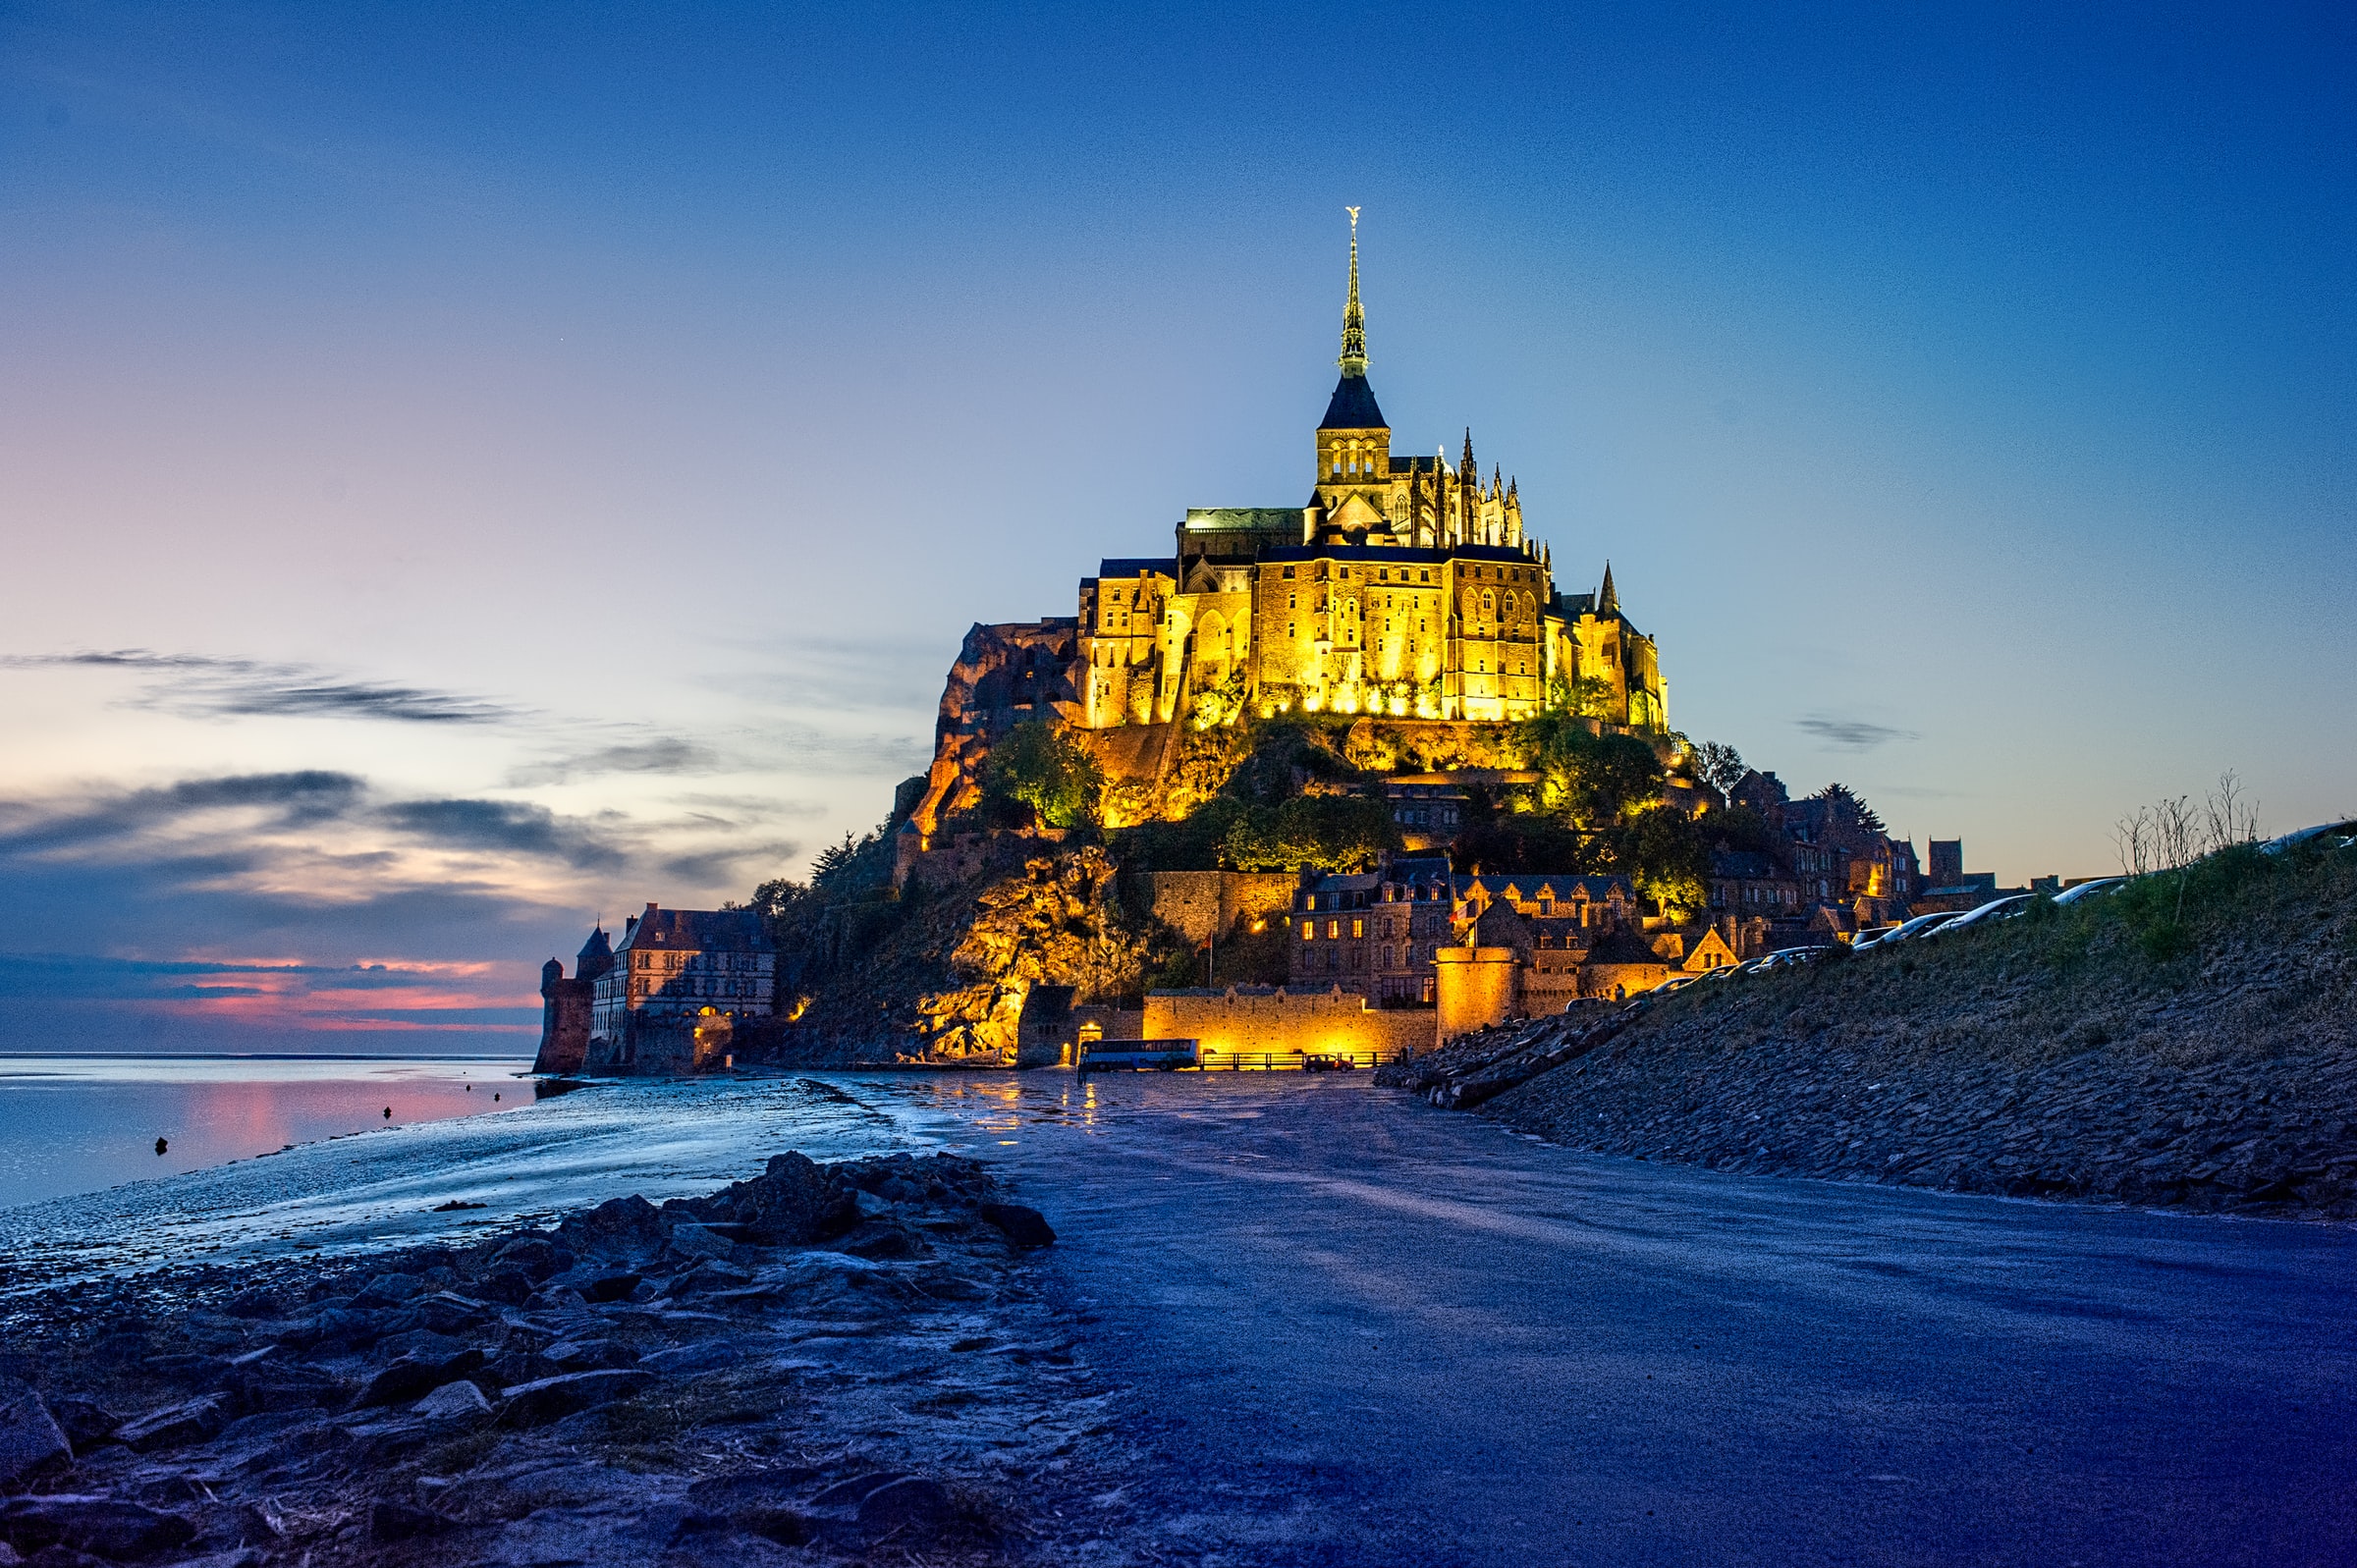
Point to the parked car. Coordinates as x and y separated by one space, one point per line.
1790 957
2095 889
1910 930
2341 835
1675 983
1996 910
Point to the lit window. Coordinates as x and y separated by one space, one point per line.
1358 928
1334 931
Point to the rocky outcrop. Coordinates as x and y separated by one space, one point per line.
1004 676
846 1359
940 975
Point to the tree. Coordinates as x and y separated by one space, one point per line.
1334 833
1670 860
1718 765
1847 809
1591 780
1046 770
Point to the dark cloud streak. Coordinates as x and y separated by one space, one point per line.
1853 735
201 685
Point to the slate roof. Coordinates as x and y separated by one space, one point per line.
1747 863
696 930
1137 567
1352 406
1623 946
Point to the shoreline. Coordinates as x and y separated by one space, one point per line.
855 1359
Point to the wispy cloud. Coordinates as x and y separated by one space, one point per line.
201 685
505 827
1853 735
667 754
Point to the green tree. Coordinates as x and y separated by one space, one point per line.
1718 765
1670 858
1592 781
1041 766
1334 833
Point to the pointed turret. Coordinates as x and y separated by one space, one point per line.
1607 602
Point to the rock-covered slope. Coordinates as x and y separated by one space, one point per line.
847 1361
2187 1042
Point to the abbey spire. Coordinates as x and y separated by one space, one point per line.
1355 320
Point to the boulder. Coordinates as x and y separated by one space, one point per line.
510 1286
591 1355
173 1426
86 1423
618 1224
594 1281
101 1526
1024 1226
536 1404
534 1256
388 1290
412 1377
694 1239
453 1401
30 1441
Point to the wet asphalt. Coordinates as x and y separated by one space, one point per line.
1359 1330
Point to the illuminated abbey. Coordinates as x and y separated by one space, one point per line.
1405 587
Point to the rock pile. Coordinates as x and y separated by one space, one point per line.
846 1360
2271 1135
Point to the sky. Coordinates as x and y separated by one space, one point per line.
468 469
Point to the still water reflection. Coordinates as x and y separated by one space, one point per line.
73 1125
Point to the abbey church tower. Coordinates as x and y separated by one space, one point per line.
1404 586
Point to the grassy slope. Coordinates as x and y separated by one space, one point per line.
2190 1038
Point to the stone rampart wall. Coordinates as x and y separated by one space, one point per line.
1200 903
1239 1022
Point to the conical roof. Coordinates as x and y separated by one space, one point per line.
1352 406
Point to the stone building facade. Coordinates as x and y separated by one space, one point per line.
681 983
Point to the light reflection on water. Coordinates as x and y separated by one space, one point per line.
73 1125
387 1186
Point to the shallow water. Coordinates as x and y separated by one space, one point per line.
396 1185
72 1124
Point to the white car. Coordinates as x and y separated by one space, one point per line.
2094 888
2342 835
1996 909
1909 931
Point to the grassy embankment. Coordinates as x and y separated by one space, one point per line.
2191 1039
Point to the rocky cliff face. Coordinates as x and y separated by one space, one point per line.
941 974
1004 676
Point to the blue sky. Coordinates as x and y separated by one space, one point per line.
583 434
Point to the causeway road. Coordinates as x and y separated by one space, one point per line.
1361 1331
